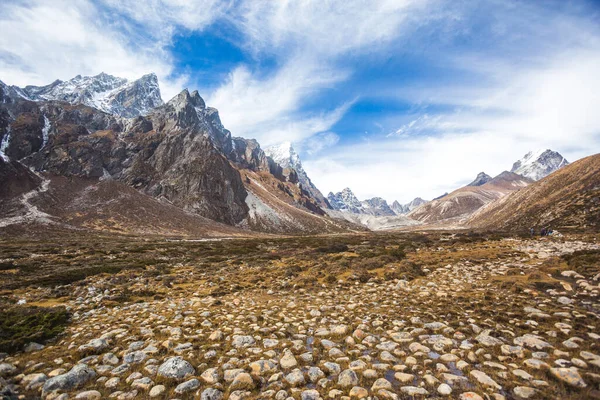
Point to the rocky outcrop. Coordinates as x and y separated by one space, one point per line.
378 207
402 209
345 201
286 162
481 179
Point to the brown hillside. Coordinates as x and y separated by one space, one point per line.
462 203
568 198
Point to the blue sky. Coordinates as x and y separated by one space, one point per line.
393 98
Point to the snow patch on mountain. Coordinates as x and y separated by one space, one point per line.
105 92
345 201
539 164
4 144
286 156
45 131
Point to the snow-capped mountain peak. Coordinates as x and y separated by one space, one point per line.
105 92
538 164
345 201
285 155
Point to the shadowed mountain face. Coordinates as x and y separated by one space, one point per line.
570 197
179 153
481 179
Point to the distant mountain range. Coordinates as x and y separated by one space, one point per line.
457 206
346 201
107 153
107 93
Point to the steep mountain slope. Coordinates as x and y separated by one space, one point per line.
538 164
345 201
281 207
104 92
378 207
570 197
402 209
460 204
180 154
481 179
286 157
73 203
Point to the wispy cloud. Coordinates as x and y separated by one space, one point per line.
540 92
547 107
268 109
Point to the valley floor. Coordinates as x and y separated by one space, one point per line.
391 315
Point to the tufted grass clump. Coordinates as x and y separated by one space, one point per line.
20 325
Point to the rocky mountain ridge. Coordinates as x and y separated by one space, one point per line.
180 153
288 159
113 95
538 164
458 205
481 179
567 198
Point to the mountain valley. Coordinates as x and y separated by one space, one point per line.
147 252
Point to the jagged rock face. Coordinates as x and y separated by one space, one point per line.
402 209
105 92
180 153
416 202
171 154
248 154
345 201
539 164
481 179
16 179
378 207
189 172
398 208
286 157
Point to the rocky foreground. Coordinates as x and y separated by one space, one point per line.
499 326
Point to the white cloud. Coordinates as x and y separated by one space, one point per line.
319 142
527 80
307 38
551 106
329 27
42 41
162 17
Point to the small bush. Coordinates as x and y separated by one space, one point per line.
21 325
333 248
